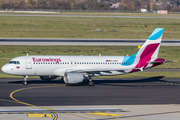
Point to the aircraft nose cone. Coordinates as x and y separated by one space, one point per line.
4 69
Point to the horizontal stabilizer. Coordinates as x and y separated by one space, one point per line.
157 62
141 69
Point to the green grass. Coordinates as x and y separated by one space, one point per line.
8 52
4 75
82 27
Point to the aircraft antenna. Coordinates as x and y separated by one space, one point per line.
100 54
27 54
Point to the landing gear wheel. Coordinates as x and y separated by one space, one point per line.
25 83
25 80
91 83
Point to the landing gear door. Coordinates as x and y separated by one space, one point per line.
28 63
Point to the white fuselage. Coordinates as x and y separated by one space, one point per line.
58 65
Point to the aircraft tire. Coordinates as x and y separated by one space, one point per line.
25 83
91 83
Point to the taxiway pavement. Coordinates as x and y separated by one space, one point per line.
94 42
126 91
133 98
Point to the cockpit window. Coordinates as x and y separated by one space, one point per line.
14 62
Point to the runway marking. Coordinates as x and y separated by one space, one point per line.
79 116
11 112
52 111
39 115
8 100
105 114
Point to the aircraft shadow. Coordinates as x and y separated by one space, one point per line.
135 80
96 81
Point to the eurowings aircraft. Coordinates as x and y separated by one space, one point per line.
74 69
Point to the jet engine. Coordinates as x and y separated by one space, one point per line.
47 77
73 78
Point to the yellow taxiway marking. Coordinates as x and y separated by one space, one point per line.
39 115
15 100
79 116
105 114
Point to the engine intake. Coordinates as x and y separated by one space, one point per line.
73 78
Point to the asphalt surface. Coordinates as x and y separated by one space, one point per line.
134 91
40 15
52 41
78 40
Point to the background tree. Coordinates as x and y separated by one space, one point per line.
137 4
130 5
154 7
31 4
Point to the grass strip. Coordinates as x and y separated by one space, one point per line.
83 27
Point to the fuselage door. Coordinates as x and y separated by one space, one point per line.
28 63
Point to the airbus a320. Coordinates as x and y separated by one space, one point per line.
74 69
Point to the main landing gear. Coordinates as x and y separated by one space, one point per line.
25 80
90 82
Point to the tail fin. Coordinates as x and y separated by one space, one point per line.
152 45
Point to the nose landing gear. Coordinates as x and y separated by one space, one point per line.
25 80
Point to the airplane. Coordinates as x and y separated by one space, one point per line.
75 69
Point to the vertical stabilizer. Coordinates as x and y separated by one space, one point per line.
152 45
149 51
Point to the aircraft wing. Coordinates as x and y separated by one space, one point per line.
97 70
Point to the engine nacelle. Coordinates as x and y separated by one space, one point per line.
73 78
47 77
